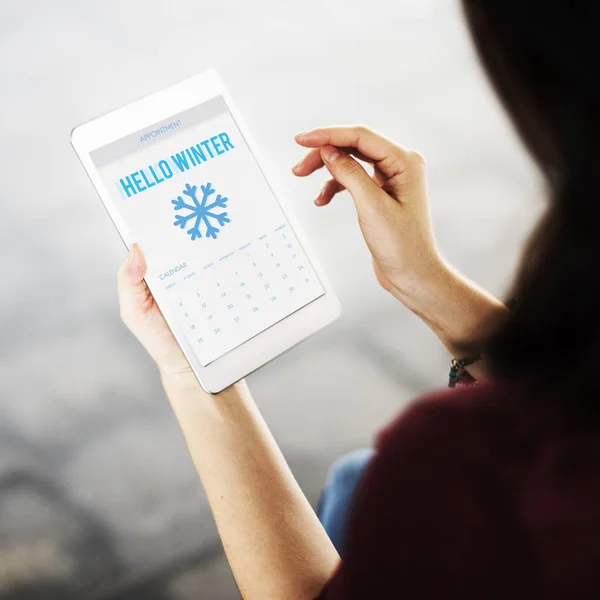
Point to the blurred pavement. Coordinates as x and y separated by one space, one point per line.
98 497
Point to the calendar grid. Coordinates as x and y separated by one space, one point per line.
223 303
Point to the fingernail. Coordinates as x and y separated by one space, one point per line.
131 255
297 165
302 133
320 194
331 153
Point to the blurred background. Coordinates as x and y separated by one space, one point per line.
98 497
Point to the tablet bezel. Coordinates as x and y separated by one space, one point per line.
265 346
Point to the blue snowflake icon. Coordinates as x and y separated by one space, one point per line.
201 211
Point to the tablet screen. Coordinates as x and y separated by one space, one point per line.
218 245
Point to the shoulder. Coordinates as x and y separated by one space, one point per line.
453 419
431 502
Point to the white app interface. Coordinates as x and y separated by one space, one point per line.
222 258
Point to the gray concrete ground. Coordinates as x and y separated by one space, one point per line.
98 497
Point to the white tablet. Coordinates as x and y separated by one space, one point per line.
178 174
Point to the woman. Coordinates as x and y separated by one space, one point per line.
485 491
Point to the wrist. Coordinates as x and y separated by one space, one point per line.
456 309
421 293
178 378
204 415
184 381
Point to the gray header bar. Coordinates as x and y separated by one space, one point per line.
154 133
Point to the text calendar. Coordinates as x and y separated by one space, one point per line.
222 257
223 303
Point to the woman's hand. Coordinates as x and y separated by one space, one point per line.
393 214
392 204
141 315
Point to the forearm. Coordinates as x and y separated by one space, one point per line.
458 311
274 542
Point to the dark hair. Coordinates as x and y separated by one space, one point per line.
541 56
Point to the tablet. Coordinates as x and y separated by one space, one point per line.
178 174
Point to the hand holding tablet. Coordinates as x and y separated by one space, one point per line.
178 174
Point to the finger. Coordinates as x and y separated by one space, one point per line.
328 191
309 164
371 144
133 293
351 175
313 162
330 188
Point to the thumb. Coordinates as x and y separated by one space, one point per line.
133 292
350 173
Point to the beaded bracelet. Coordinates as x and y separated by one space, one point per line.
458 374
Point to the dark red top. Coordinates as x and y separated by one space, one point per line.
478 493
